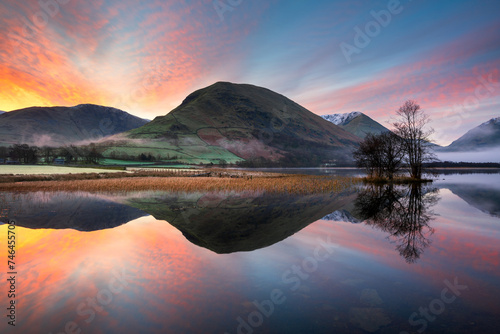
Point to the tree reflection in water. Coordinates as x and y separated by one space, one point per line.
403 211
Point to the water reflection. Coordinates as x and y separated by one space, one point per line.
219 221
80 211
234 222
402 211
175 286
479 191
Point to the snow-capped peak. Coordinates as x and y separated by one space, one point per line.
340 119
493 121
341 216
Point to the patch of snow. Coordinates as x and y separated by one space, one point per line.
341 216
341 119
492 121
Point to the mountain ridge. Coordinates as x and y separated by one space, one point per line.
238 122
341 119
55 126
356 123
484 136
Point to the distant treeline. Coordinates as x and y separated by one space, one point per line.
450 164
31 154
91 154
294 161
146 156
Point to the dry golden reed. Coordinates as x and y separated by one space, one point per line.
293 184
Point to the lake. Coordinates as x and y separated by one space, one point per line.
371 259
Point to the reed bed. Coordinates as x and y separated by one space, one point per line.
291 184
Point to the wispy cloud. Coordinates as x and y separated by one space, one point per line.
146 57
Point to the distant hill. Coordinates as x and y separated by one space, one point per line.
82 212
482 137
2 112
356 123
237 122
484 198
54 126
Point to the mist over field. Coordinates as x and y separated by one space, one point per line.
490 155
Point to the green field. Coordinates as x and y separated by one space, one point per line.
115 162
189 150
40 169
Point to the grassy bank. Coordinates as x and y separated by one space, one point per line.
6 178
177 182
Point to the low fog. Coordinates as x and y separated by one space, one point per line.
491 155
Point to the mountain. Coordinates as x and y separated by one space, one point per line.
482 137
237 122
240 222
342 216
341 119
78 211
2 112
54 126
486 199
224 224
356 123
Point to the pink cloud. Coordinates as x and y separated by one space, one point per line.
140 57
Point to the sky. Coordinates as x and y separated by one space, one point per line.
145 57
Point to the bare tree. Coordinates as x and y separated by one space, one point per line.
410 126
48 154
24 153
91 154
368 155
381 155
393 152
4 152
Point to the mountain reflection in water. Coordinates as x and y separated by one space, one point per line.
175 286
219 221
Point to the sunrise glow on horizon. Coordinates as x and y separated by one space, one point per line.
329 56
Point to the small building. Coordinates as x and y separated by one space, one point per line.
59 161
2 160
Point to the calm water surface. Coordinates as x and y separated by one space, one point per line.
369 260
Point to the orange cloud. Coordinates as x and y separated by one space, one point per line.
141 57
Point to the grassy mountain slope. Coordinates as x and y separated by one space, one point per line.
238 122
